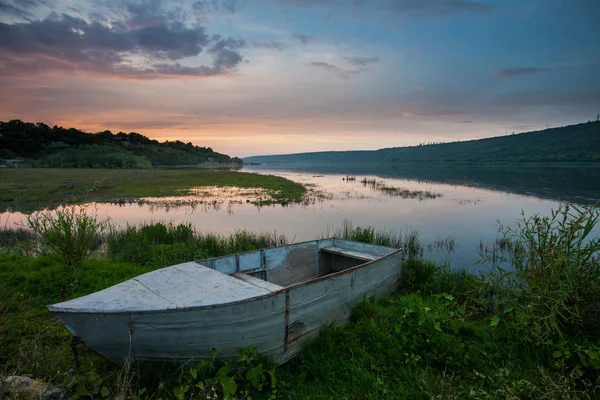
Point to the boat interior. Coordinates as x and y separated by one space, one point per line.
227 279
278 267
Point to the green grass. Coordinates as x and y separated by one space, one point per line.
445 334
30 189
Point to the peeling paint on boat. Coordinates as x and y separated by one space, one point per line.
275 298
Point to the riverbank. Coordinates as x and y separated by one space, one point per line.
525 334
38 188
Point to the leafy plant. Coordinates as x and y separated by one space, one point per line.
554 285
69 233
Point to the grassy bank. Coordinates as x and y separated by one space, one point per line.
30 189
527 333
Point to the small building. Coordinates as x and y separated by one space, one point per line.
17 164
59 145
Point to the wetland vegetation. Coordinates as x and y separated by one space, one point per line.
527 332
37 188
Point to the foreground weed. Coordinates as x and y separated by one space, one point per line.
554 286
70 233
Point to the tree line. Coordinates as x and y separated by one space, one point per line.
56 146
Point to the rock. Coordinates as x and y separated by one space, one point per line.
23 387
53 393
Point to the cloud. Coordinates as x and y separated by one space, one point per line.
361 61
432 8
464 122
304 3
515 71
341 72
304 39
144 46
408 8
206 6
8 8
277 46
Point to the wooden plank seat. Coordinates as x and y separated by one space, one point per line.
271 287
349 253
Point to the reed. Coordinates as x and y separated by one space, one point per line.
161 244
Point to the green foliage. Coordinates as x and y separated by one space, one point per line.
95 156
215 379
61 186
409 242
428 278
554 286
73 148
69 233
445 334
16 240
159 245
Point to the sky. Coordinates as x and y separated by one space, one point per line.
253 77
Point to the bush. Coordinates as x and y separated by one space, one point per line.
69 233
554 285
96 156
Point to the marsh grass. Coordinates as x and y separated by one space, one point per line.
409 242
35 189
404 193
158 245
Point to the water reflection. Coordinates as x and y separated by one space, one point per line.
553 181
456 223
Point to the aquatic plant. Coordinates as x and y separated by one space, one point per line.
380 186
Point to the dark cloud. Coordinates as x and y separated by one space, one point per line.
464 122
269 45
429 8
341 72
304 39
206 6
8 8
361 61
408 8
305 3
515 71
72 44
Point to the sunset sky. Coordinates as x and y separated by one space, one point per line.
251 77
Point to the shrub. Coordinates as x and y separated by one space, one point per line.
69 233
556 276
96 156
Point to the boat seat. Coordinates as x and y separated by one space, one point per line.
349 253
271 287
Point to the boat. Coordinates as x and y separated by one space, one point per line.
276 299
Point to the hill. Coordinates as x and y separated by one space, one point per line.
574 143
60 147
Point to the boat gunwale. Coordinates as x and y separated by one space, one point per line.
249 299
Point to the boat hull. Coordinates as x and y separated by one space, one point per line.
279 323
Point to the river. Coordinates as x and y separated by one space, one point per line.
461 206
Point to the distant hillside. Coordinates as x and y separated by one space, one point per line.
574 143
60 147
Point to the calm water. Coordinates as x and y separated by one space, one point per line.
463 203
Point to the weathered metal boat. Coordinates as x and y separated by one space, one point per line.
275 299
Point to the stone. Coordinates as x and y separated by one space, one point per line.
26 388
